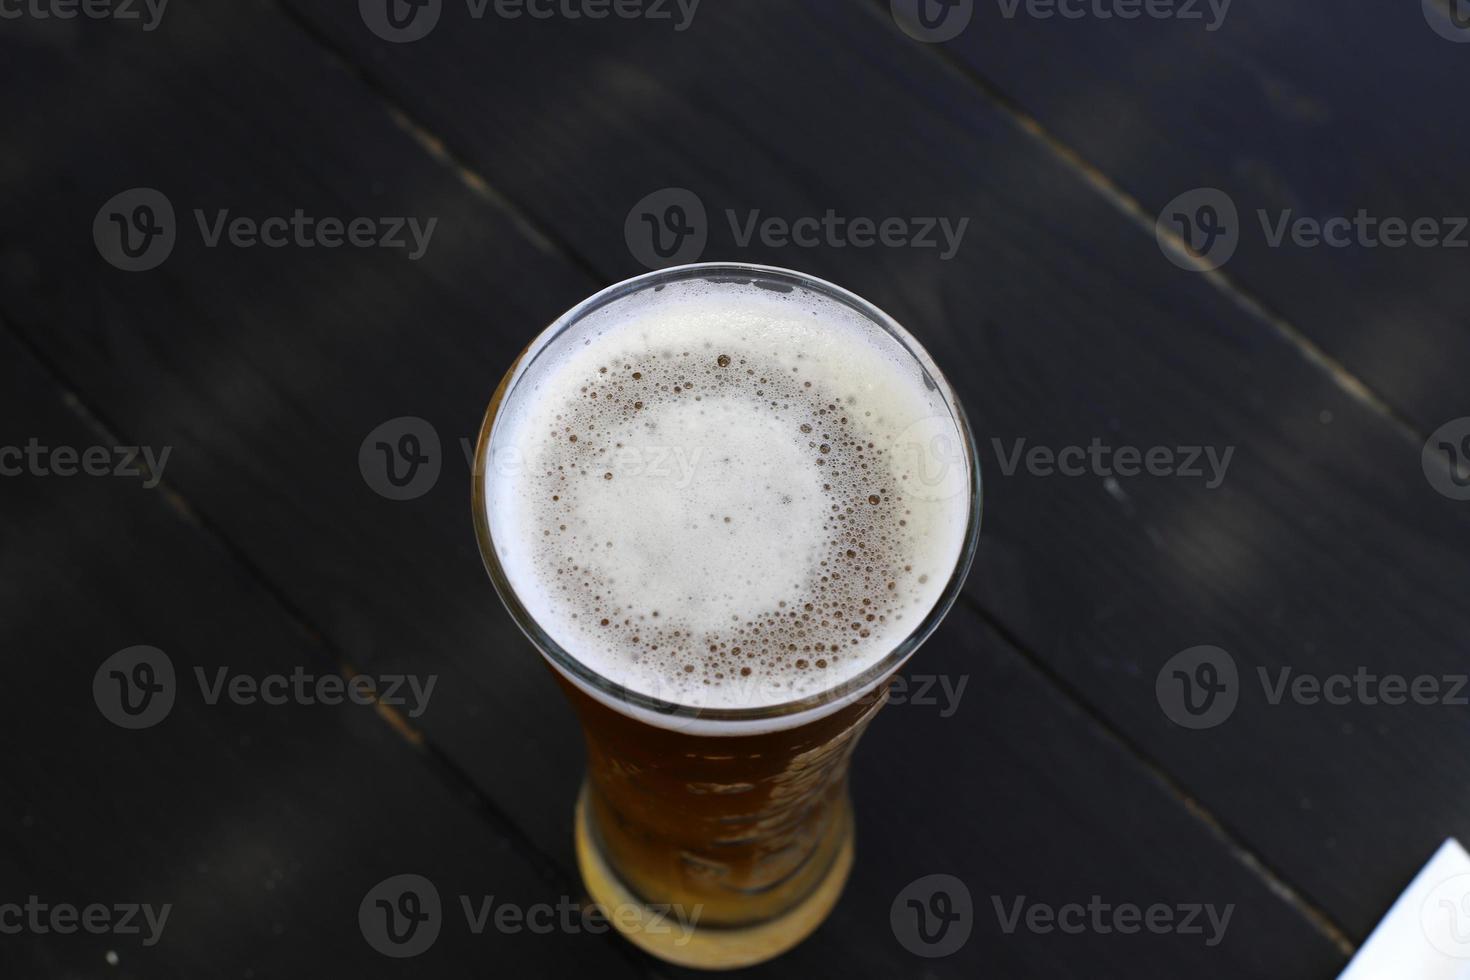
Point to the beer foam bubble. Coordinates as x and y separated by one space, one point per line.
711 493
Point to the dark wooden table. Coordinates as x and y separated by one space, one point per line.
1333 544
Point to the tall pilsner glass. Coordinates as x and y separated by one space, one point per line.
726 503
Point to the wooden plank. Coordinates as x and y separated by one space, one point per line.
1357 119
1017 794
262 827
269 368
1325 551
250 385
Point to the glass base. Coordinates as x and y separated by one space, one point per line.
706 948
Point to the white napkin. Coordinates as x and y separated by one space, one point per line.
1426 935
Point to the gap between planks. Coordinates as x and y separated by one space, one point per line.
1238 849
451 774
1128 206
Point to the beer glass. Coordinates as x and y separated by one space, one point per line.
718 836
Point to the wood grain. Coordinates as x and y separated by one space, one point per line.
1058 318
1325 551
262 827
1292 111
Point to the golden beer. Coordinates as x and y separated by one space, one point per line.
726 503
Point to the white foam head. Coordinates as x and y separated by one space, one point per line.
726 496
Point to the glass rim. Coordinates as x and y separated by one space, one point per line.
828 698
